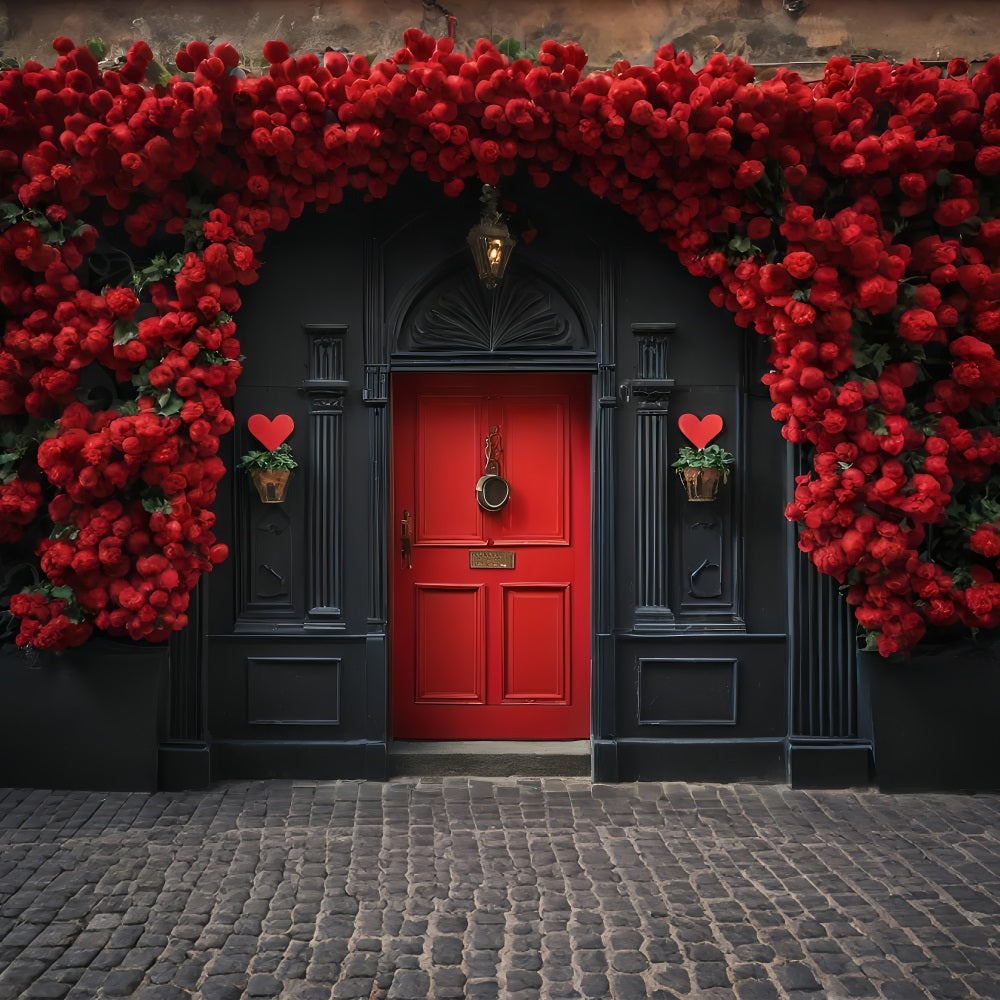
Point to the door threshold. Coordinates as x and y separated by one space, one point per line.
490 758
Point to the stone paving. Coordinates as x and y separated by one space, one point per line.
513 888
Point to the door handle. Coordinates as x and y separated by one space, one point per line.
406 540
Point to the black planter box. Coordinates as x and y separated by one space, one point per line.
90 718
934 717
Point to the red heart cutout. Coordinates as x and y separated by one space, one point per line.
270 433
699 431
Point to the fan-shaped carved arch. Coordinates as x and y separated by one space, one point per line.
524 314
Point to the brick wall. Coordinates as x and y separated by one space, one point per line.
762 31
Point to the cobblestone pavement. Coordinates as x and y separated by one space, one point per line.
514 888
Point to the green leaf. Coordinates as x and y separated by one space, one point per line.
156 73
154 502
279 458
63 593
869 355
168 403
97 48
510 47
125 331
9 213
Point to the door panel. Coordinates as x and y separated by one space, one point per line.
450 627
536 643
542 461
447 459
491 653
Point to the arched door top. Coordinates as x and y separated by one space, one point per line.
526 321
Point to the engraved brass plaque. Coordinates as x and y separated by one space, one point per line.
490 559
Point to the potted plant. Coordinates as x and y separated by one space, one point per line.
270 471
702 469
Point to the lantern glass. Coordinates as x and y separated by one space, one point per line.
490 240
491 247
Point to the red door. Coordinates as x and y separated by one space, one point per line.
490 609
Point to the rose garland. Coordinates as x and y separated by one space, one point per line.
852 222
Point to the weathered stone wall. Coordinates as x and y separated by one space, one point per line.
764 32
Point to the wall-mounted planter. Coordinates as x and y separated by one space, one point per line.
271 484
700 484
932 717
90 718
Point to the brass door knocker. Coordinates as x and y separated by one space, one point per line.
492 490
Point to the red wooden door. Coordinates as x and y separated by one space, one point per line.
491 653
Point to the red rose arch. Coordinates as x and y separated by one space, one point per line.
851 221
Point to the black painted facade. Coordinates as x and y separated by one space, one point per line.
716 655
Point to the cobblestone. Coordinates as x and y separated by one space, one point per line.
516 888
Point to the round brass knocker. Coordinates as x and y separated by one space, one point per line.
492 490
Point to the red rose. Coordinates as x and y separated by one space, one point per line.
986 541
800 264
955 211
918 326
748 173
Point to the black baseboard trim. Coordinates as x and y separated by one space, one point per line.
605 761
184 766
832 765
311 760
716 761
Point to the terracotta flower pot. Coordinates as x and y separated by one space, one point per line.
271 484
701 483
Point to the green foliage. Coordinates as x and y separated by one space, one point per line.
19 440
155 502
13 448
125 330
53 233
280 458
158 74
513 49
712 456
97 48
160 268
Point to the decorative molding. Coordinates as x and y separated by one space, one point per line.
325 390
688 691
652 388
378 542
293 690
603 567
185 721
269 571
523 314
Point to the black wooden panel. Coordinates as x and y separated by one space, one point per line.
287 687
765 489
717 686
293 690
704 558
706 585
271 562
687 692
267 541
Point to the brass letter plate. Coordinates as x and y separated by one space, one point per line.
490 559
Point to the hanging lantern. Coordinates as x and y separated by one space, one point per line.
490 240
